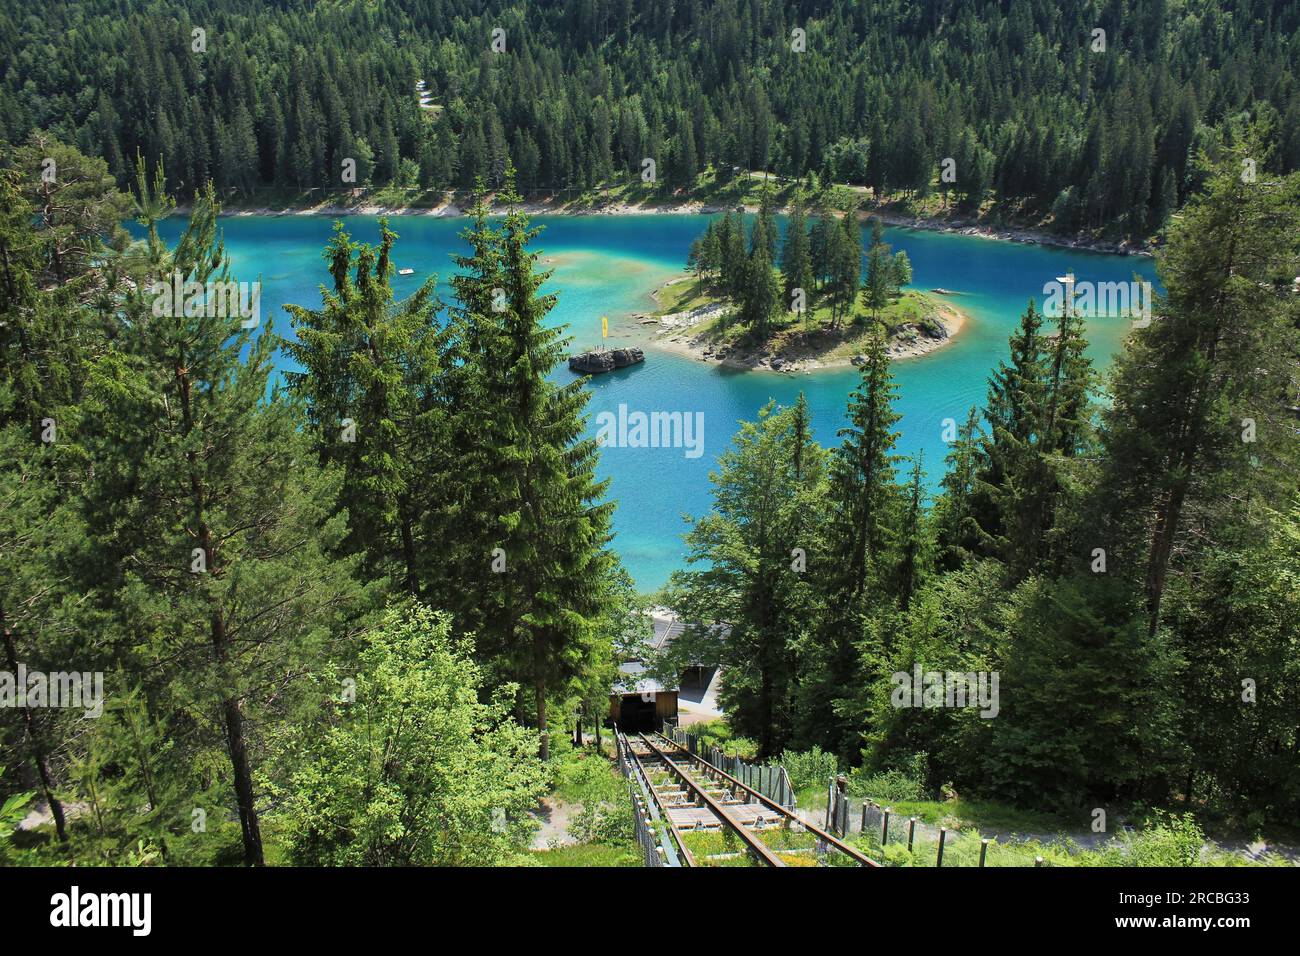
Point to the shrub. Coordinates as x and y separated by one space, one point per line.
809 768
1173 840
889 786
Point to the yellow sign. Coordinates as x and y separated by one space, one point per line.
604 326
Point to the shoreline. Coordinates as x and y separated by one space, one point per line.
676 338
453 209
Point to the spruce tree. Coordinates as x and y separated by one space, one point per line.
550 524
796 264
213 524
368 370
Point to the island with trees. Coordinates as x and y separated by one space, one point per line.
814 305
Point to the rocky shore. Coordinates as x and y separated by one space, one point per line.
799 350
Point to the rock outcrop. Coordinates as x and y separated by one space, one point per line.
604 360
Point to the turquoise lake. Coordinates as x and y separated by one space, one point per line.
608 265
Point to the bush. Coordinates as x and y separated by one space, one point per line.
892 786
1173 840
810 768
717 733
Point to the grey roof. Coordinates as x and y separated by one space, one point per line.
634 681
665 632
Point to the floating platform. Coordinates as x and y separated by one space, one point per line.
604 360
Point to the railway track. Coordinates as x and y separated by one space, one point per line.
712 819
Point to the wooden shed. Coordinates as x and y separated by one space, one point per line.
639 704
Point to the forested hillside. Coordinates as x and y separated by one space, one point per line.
1058 123
251 569
1120 552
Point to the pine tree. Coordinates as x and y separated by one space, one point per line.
912 559
956 532
213 525
761 295
1008 472
551 525
861 504
796 264
368 370
879 281
1205 374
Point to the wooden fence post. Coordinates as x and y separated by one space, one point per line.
984 849
884 827
943 833
911 832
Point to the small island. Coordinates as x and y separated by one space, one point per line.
604 360
817 310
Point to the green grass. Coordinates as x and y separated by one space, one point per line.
807 337
583 776
716 848
682 296
587 854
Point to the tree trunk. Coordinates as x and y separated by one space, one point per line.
539 691
539 694
234 720
34 738
244 796
408 547
1162 543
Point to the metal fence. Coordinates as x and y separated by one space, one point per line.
881 825
770 780
655 849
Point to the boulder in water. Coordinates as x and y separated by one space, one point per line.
604 360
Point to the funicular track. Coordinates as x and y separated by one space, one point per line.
713 819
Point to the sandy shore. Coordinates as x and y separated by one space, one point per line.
453 209
674 333
957 226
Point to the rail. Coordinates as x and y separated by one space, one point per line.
829 839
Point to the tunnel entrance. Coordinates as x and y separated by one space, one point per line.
637 715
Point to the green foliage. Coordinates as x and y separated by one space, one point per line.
295 90
809 768
751 598
1140 585
1173 840
887 786
12 810
416 770
719 733
368 371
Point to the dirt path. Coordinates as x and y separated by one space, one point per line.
555 816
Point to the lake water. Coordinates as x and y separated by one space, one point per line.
608 265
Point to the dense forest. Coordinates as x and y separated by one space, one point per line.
343 613
252 566
1059 123
1120 552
